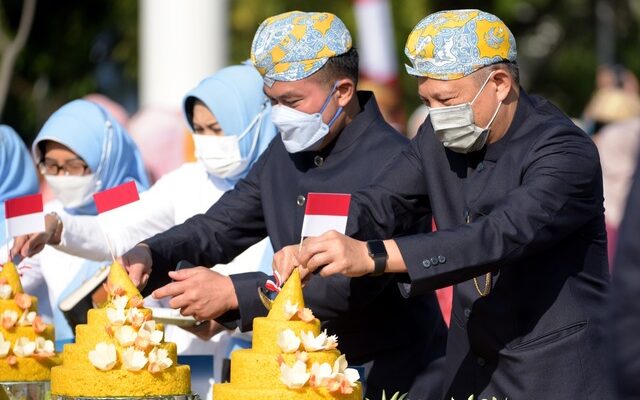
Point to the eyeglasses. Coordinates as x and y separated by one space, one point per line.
75 167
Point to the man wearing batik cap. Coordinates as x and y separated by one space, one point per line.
515 189
332 139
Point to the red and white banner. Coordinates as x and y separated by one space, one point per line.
325 212
110 202
24 215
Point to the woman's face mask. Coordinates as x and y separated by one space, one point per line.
72 191
221 155
301 131
455 127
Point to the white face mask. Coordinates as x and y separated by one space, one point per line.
301 131
221 156
72 191
455 127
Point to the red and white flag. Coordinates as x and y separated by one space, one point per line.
325 212
109 204
24 215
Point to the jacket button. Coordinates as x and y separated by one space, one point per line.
426 263
467 312
434 261
481 362
318 161
300 200
442 259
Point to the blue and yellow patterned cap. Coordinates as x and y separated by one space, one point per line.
292 46
452 44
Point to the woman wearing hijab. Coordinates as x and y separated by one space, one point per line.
80 150
229 116
17 176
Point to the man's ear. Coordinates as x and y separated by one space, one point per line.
504 82
345 90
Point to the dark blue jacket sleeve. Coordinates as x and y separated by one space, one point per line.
625 307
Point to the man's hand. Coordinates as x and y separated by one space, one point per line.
137 262
200 292
336 254
32 244
284 261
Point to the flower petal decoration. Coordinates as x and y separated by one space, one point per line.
133 360
27 318
136 317
126 335
5 291
9 319
5 346
44 347
331 342
311 342
120 302
295 376
306 315
149 332
302 356
38 324
103 356
320 374
288 341
116 316
23 300
159 360
290 309
24 347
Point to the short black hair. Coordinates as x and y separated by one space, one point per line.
511 67
343 66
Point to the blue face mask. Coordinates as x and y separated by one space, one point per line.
301 131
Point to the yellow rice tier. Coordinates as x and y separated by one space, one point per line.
95 383
266 331
27 331
258 370
98 316
93 334
27 369
10 304
75 355
278 391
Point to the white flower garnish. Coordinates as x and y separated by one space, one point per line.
44 346
159 360
320 374
103 356
148 331
290 309
133 360
316 343
9 319
120 302
331 342
27 318
135 317
288 341
116 316
126 335
340 367
5 291
24 347
5 345
295 376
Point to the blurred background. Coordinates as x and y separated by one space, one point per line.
148 53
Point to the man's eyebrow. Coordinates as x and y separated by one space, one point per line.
285 95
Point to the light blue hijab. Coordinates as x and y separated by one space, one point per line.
234 95
17 172
89 131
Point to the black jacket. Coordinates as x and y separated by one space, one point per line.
371 318
528 209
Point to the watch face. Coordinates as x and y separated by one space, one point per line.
377 248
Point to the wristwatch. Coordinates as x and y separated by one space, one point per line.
378 252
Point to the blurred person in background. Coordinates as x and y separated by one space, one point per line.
159 131
80 150
18 178
230 118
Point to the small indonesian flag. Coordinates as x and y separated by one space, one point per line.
110 202
325 212
24 215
